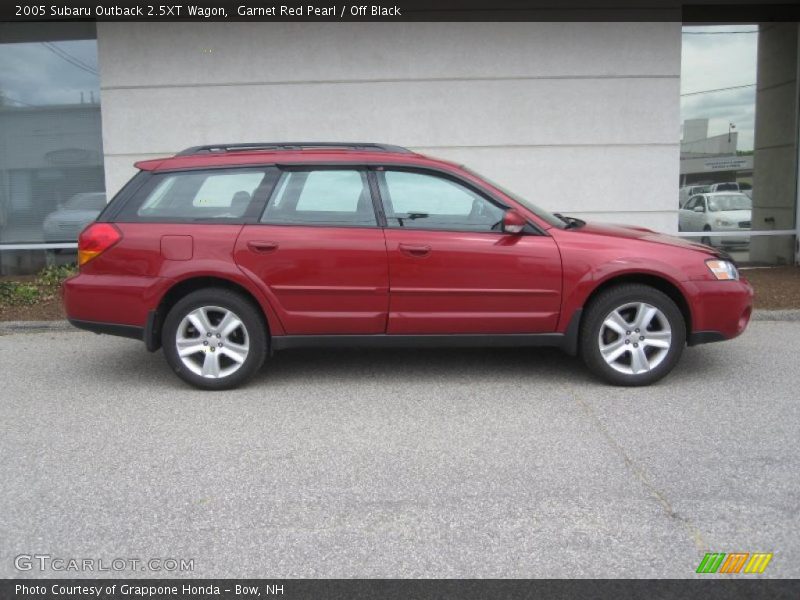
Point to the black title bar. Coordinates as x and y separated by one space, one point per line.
391 589
698 11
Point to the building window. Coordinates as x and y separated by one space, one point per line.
739 142
51 164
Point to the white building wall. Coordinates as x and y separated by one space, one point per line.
578 117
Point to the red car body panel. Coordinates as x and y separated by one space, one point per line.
320 280
356 280
455 282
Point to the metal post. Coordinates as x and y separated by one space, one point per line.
797 155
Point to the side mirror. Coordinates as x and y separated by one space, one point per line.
513 222
699 209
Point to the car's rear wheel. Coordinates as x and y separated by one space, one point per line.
214 339
632 335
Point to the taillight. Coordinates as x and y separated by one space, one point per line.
96 239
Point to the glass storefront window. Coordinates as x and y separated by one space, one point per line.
51 159
738 170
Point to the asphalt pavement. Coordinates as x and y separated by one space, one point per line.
398 463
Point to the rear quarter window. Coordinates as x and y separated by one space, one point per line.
196 196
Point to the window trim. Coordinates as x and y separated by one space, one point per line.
128 191
532 228
288 168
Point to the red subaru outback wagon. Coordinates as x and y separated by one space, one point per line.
223 254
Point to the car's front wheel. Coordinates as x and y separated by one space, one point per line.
214 339
632 335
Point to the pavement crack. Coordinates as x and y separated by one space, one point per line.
694 532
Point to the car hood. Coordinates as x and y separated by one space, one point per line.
647 235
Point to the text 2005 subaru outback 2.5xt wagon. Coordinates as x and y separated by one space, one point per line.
224 253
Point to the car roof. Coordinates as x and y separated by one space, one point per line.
229 155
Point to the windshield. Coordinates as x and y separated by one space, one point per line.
544 215
727 187
730 202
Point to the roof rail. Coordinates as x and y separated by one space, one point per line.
213 148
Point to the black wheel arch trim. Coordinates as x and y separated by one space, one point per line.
152 331
705 337
118 329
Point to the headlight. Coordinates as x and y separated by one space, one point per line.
723 223
723 269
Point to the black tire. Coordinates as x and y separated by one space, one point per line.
253 331
592 326
706 240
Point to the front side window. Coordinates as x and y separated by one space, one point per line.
321 197
695 202
422 201
201 195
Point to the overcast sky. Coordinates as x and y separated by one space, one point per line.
37 74
712 58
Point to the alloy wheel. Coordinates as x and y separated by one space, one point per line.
212 342
635 338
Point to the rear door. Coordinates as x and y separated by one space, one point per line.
452 269
319 252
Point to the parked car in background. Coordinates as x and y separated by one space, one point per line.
688 191
224 254
66 222
746 189
718 211
726 186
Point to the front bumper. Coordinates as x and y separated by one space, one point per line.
721 310
728 239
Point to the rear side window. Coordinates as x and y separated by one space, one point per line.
217 194
321 197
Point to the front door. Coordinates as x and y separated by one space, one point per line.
452 269
320 253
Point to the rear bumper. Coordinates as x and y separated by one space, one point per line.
721 310
119 299
115 305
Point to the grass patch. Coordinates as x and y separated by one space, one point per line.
43 288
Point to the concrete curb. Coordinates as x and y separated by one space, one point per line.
12 327
776 315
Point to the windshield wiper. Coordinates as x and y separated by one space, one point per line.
572 222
